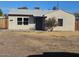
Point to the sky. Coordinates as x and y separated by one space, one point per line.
68 6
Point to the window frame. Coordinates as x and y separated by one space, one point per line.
19 22
25 22
60 23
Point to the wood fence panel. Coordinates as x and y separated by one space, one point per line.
77 25
3 24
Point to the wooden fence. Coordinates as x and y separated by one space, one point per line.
77 25
3 24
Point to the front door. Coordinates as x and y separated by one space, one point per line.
39 24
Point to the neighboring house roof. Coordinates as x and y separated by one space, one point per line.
34 12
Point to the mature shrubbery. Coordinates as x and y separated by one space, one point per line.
50 24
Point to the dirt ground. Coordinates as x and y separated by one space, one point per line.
30 43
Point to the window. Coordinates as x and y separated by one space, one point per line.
11 20
25 21
60 22
19 21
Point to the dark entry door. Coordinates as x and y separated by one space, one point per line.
39 24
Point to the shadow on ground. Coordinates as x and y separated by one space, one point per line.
56 54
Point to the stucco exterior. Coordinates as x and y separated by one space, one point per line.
68 20
12 25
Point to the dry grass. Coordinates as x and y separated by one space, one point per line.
28 43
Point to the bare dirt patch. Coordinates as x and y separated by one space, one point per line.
29 43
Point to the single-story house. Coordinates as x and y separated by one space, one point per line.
25 19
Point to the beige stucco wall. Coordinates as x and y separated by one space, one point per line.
12 25
68 20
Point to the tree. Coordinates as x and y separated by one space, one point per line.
37 7
50 24
1 13
55 8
